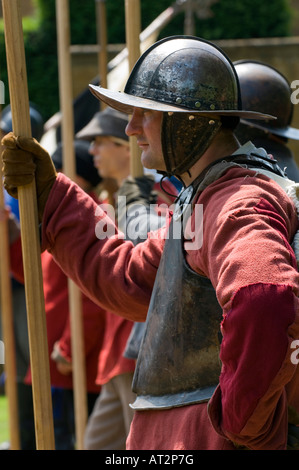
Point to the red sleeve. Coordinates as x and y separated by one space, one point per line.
247 255
250 406
108 269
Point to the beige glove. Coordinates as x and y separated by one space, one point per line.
23 159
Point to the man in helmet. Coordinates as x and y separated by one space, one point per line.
36 121
265 88
219 290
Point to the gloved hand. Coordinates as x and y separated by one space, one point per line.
23 159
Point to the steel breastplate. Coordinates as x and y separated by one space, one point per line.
178 362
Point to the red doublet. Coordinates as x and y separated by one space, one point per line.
248 223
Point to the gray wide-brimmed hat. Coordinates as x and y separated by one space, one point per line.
109 123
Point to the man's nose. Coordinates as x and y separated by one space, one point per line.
92 148
134 126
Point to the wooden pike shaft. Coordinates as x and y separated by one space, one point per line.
133 22
69 166
39 356
102 41
8 332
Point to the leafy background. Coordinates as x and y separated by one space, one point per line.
231 19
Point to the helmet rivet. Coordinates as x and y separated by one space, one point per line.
178 100
198 104
212 106
191 118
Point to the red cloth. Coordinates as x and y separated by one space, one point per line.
111 360
256 288
56 295
183 428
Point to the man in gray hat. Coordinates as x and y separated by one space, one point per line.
110 123
109 144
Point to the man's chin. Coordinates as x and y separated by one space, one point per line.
145 162
149 164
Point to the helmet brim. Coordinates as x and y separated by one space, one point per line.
126 103
288 132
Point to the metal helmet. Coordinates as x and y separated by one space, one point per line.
265 88
194 83
36 119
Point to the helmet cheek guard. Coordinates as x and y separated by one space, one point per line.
185 137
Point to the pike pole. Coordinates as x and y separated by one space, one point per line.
101 20
133 26
8 332
69 166
39 356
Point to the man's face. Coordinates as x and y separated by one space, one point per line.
145 125
111 159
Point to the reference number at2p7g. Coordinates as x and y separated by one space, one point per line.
147 458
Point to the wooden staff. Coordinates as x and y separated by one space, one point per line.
39 356
118 65
69 165
102 41
109 184
8 332
133 22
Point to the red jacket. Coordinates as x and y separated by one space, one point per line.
257 289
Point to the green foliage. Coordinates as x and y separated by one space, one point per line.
4 425
42 71
231 19
246 19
